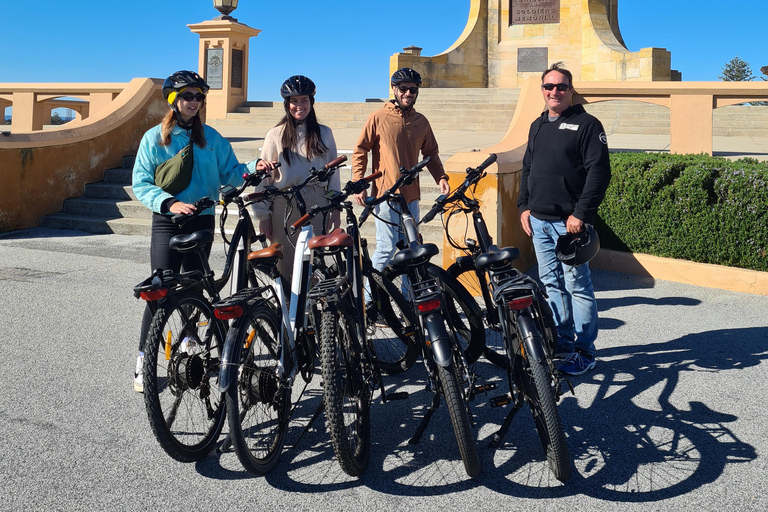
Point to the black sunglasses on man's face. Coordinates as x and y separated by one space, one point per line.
559 87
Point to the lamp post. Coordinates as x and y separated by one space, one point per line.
225 7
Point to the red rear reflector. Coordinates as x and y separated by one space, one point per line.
228 312
521 303
154 294
430 305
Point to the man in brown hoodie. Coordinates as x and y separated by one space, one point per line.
395 134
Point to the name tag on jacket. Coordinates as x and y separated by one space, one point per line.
566 126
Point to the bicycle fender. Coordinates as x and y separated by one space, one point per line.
230 358
439 342
530 338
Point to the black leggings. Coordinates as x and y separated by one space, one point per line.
162 256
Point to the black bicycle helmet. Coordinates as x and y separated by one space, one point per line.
406 75
297 85
181 80
578 248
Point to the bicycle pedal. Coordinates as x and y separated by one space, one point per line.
409 331
399 395
484 388
500 401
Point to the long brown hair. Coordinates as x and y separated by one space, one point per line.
169 121
315 145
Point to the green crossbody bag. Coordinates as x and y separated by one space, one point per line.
175 174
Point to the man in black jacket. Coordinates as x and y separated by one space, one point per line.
565 174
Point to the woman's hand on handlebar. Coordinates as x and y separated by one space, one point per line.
361 197
265 165
445 188
182 208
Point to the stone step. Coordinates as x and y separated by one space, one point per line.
112 208
119 175
98 225
120 191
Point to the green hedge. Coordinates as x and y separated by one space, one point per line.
691 207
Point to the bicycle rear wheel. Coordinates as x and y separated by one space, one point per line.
457 409
494 349
463 315
391 325
181 374
346 391
258 405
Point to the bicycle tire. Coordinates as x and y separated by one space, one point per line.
541 399
494 349
258 405
396 343
463 313
457 409
181 391
346 392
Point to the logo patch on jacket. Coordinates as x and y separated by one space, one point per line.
603 138
566 126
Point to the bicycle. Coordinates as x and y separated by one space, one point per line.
184 340
445 358
517 306
270 340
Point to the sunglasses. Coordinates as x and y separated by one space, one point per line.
559 87
403 89
188 96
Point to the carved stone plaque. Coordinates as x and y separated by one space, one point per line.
237 68
214 67
532 59
534 11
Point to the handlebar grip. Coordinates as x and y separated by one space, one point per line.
253 196
363 216
488 161
430 215
419 166
303 220
372 177
336 162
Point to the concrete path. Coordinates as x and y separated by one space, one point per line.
671 419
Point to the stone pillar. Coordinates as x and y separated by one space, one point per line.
223 62
28 113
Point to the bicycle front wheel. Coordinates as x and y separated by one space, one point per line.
181 374
391 325
457 409
258 405
346 391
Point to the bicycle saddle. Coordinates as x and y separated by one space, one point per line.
336 238
273 251
496 257
187 243
416 256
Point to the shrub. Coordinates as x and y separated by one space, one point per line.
692 207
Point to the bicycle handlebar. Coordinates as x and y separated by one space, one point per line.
200 205
406 177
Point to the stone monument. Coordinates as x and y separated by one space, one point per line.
507 41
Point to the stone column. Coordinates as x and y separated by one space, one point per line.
223 62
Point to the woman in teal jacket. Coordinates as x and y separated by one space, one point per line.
215 165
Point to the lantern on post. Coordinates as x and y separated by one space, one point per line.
225 7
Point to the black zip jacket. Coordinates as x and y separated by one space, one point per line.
566 169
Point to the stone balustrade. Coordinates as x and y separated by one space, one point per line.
32 103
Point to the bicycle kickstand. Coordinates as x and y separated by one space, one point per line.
425 420
496 441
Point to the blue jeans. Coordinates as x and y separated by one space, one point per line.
570 290
387 235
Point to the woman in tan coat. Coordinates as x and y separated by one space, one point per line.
299 143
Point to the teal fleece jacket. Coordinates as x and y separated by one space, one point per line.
215 166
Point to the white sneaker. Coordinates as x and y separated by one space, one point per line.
138 376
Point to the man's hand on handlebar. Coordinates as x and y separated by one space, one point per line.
361 197
445 188
182 208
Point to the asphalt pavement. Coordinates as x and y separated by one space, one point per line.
672 417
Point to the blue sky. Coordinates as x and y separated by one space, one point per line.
343 45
